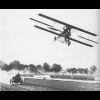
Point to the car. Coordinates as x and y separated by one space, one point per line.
17 79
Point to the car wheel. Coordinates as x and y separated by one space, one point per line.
20 83
12 82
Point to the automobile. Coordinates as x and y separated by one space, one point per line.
17 79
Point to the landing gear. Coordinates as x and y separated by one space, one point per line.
69 43
55 39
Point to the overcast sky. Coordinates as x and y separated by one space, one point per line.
19 40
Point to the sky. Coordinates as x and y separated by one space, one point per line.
21 41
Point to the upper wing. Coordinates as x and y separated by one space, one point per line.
63 36
67 24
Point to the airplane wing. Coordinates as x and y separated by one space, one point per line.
67 24
40 22
54 29
88 39
63 36
50 27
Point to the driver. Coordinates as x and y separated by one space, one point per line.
18 76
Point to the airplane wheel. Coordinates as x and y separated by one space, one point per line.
12 82
55 39
21 82
69 43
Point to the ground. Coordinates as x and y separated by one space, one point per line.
25 87
31 84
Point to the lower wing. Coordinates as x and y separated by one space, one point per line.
63 36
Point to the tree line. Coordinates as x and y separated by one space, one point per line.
31 67
46 67
82 70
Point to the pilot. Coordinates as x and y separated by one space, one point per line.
67 33
65 30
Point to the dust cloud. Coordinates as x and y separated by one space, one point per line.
6 76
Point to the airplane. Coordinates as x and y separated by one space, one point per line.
66 33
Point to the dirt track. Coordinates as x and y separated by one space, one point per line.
25 87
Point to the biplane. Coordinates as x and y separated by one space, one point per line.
66 33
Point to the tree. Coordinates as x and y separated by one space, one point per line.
39 66
6 67
93 69
3 66
69 70
46 67
32 68
74 70
86 70
80 70
23 67
56 68
15 65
